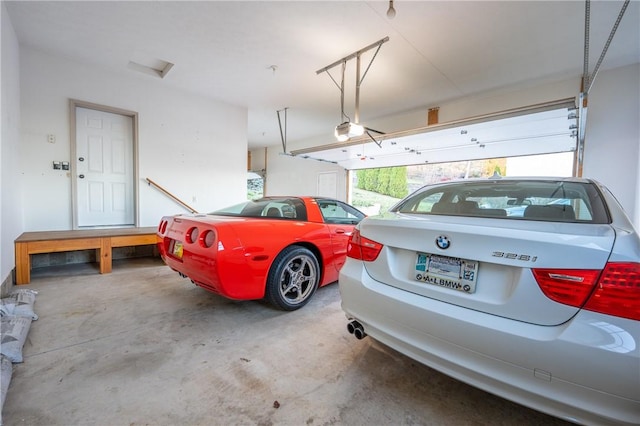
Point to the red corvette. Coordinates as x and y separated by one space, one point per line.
278 248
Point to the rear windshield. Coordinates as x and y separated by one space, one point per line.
556 201
283 208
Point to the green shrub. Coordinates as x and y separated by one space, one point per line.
390 181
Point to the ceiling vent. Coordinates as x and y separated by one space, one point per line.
149 65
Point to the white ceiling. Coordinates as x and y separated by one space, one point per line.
437 50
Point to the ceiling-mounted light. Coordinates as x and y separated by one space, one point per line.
348 130
391 12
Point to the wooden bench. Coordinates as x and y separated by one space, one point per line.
102 240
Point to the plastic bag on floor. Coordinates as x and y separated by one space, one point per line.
6 371
19 303
13 334
7 306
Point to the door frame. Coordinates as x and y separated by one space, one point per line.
75 103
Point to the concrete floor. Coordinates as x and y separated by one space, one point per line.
142 346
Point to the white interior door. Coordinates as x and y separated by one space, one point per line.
104 169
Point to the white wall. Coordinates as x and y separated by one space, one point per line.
11 207
612 144
286 175
194 147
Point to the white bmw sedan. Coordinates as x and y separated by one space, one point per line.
525 288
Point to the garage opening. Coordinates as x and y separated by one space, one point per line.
536 140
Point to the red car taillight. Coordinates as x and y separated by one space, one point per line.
616 292
208 238
362 248
162 226
192 235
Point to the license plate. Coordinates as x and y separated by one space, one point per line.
450 272
177 249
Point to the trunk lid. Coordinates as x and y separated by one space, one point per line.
496 256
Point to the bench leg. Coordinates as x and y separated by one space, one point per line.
23 264
104 253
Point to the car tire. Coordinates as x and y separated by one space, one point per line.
293 278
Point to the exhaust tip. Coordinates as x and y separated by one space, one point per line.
355 328
351 328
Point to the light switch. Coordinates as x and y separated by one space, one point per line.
65 165
56 165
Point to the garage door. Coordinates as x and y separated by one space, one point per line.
538 129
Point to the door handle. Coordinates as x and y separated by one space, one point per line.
81 176
339 231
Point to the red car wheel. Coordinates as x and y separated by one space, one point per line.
293 278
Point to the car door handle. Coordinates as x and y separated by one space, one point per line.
339 231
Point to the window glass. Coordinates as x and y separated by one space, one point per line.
337 212
285 208
561 201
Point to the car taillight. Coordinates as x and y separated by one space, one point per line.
362 248
568 286
192 235
163 226
208 238
616 292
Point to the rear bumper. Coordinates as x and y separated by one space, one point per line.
584 371
209 273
